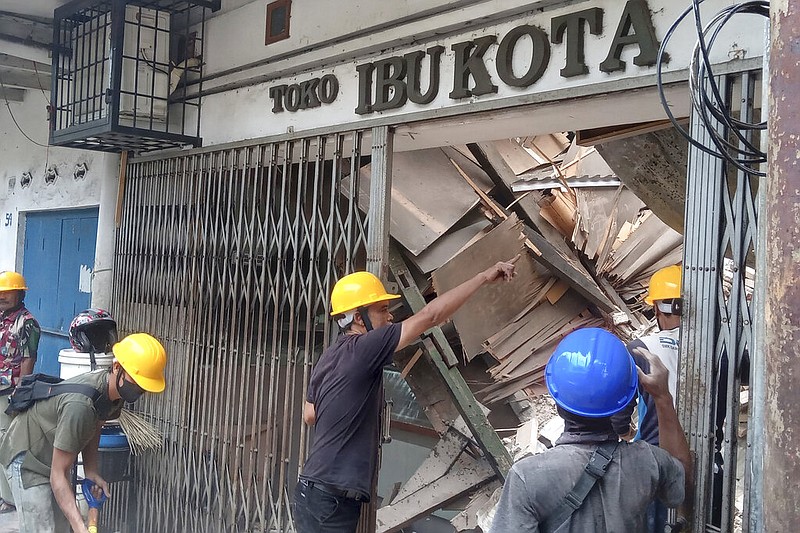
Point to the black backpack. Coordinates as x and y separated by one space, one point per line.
35 387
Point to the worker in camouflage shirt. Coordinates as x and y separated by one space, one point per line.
19 341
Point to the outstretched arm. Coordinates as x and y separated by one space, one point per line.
443 307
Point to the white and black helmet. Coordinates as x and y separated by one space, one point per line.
93 330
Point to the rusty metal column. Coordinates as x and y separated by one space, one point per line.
782 302
380 199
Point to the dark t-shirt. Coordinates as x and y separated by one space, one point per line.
345 389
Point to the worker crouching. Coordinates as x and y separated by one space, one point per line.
42 443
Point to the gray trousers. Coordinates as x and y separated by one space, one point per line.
5 421
37 509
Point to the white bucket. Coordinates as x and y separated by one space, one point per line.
73 364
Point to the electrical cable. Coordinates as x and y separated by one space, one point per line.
14 119
707 98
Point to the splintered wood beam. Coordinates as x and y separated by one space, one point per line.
543 249
502 176
445 476
565 270
465 402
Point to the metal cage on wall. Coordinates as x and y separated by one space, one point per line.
229 257
121 70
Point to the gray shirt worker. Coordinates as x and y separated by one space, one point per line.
345 389
536 485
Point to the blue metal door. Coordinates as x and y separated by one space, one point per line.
57 264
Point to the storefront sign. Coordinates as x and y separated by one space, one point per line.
392 82
304 95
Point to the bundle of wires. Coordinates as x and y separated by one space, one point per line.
732 138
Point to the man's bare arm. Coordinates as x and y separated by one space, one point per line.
309 414
26 366
90 456
62 488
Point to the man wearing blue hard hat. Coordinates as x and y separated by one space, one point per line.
591 481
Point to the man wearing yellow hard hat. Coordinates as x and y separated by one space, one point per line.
344 394
19 343
43 442
664 294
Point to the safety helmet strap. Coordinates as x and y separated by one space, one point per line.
364 312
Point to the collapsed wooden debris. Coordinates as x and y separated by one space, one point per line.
609 244
588 247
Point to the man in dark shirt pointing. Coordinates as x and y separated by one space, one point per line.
344 399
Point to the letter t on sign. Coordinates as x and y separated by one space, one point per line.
572 24
636 16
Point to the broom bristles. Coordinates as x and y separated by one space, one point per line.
142 435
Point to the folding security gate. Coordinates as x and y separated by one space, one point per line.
719 349
229 256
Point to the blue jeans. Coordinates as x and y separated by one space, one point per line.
37 509
316 511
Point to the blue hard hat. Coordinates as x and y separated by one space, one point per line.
591 373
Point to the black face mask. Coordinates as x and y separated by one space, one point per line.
128 390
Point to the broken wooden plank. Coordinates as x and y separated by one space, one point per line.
469 518
561 267
430 391
465 475
612 293
526 208
570 271
465 402
428 195
492 306
437 464
411 363
472 226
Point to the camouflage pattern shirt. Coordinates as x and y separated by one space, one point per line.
19 338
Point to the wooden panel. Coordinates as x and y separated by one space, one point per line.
496 304
428 194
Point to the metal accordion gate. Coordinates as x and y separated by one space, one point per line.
229 256
723 311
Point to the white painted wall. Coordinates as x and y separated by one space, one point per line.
236 38
20 155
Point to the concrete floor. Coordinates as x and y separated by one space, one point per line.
8 523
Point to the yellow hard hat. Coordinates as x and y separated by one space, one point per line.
664 285
11 281
144 359
358 289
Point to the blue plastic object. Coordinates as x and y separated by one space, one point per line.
591 373
113 437
91 501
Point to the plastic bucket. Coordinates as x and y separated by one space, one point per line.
74 363
114 454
